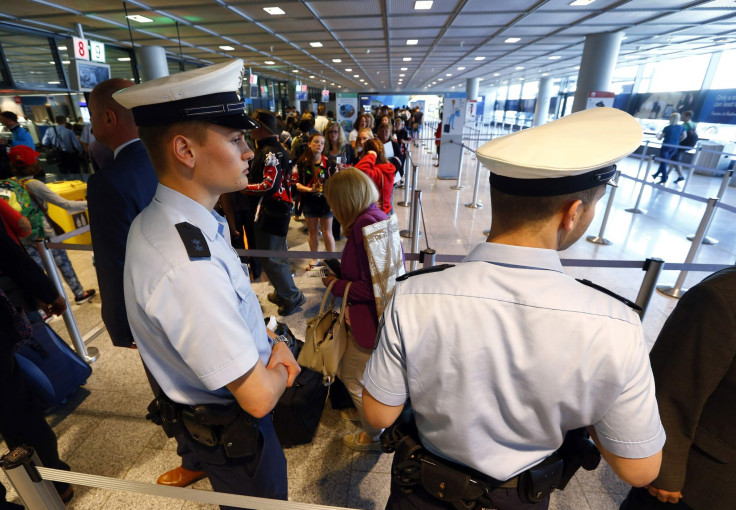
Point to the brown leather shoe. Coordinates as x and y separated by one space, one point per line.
67 495
180 477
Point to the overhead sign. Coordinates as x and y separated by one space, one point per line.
81 51
597 98
97 51
325 95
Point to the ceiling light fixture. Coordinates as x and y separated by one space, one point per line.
402 74
496 74
512 40
545 74
62 48
479 58
337 60
412 42
582 2
66 62
404 69
140 19
407 59
311 77
295 71
348 70
315 44
555 57
356 76
440 79
519 68
227 48
274 11
54 83
269 62
448 74
461 68
124 59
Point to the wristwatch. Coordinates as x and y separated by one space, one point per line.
281 338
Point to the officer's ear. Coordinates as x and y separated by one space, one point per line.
183 150
571 214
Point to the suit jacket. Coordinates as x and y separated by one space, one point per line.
694 365
115 196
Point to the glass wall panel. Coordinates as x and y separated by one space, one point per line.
725 76
679 74
31 63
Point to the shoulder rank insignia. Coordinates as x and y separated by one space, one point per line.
424 270
638 309
194 241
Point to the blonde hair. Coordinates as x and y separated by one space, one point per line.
349 192
674 119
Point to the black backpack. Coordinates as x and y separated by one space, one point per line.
691 136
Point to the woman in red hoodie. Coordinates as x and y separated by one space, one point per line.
381 172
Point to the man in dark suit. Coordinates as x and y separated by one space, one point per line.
115 196
694 366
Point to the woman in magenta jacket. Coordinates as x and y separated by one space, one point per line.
374 164
352 196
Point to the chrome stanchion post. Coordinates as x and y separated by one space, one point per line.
599 239
402 184
643 157
71 323
652 267
724 185
457 185
36 493
696 158
635 209
407 183
677 291
409 233
416 216
428 257
475 204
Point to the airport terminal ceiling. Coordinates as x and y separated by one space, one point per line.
384 45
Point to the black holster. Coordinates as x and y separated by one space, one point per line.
226 425
163 411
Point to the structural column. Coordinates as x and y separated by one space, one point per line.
543 99
600 54
152 62
471 88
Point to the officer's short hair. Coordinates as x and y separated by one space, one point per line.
349 192
511 212
10 115
156 139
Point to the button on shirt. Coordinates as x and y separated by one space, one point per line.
196 321
503 354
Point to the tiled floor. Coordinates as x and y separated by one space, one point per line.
103 431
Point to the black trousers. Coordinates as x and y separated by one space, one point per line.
262 475
503 499
69 163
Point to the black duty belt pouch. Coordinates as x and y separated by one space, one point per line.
240 438
450 485
538 482
230 426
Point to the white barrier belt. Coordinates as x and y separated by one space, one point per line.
661 187
200 496
69 235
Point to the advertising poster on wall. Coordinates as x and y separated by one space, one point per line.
719 107
453 115
660 105
453 122
598 98
347 111
471 110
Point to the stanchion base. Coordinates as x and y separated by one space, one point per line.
92 354
487 232
671 291
598 240
474 205
400 186
706 240
406 233
634 210
461 187
404 204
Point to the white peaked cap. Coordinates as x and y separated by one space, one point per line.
574 153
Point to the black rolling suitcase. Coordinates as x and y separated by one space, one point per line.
51 368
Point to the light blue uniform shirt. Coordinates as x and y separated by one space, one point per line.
62 137
503 354
197 322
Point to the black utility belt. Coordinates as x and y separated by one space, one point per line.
465 488
209 424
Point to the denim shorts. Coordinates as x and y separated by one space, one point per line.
315 206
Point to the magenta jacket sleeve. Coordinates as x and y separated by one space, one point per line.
355 267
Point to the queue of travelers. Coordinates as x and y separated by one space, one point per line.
492 379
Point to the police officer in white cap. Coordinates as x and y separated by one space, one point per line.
504 355
192 311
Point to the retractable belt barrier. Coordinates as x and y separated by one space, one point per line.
32 482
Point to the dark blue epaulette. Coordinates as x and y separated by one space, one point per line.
424 270
625 301
194 241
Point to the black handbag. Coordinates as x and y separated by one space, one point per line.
298 411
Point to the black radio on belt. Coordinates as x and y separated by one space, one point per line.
226 425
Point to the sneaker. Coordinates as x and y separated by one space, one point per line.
352 441
288 308
85 297
274 298
350 414
679 179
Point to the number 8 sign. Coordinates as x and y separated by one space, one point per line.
80 48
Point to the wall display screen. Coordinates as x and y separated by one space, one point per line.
84 75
